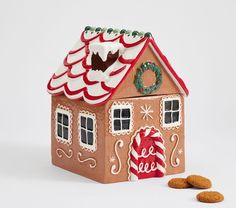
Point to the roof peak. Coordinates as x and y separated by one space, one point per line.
134 33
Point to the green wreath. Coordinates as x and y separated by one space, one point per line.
138 82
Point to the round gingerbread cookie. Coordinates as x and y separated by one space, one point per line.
199 181
179 183
210 197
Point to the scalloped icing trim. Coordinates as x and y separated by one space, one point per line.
161 112
93 116
122 103
69 112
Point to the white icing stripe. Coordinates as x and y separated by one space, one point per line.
160 168
138 139
147 132
133 177
135 154
134 166
159 144
157 134
159 155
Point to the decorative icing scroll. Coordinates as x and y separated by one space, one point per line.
60 152
175 163
146 111
92 161
120 144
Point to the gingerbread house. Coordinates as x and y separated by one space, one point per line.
117 111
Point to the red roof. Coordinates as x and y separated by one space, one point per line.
76 79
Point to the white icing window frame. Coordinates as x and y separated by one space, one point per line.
120 105
64 110
87 147
162 112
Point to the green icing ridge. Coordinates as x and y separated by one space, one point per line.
123 31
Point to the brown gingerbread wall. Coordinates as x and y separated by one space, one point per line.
73 164
154 102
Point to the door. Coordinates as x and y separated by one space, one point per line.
147 154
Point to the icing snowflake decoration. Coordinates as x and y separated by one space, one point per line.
101 59
146 111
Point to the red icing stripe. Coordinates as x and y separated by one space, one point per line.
125 61
105 87
129 45
75 51
92 97
54 76
71 75
87 81
115 72
84 64
83 39
73 63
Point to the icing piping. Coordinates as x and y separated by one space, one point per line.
176 163
119 143
92 163
146 111
60 152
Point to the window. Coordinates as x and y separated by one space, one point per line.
121 118
87 130
63 124
171 112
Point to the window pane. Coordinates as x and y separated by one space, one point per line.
125 113
83 122
175 105
65 132
116 113
65 120
90 138
168 117
117 125
125 124
175 116
90 124
59 130
59 117
167 105
83 136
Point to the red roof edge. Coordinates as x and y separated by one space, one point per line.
166 62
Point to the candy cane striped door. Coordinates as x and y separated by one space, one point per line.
147 154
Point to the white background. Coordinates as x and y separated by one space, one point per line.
198 37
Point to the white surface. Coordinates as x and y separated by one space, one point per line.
198 37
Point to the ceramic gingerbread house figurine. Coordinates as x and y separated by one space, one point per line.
117 108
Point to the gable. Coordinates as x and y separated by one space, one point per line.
128 89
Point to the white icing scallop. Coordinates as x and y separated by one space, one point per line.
76 83
61 70
132 52
77 69
76 56
59 81
90 34
79 44
110 36
96 90
129 39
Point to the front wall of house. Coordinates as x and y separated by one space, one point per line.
71 156
127 87
116 171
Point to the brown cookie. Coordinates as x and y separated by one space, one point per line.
210 197
179 183
199 181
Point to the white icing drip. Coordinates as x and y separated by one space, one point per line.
102 49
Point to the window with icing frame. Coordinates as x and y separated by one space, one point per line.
171 112
121 118
63 125
87 130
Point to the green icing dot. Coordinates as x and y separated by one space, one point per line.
148 34
87 28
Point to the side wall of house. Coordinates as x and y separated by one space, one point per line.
72 156
174 149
